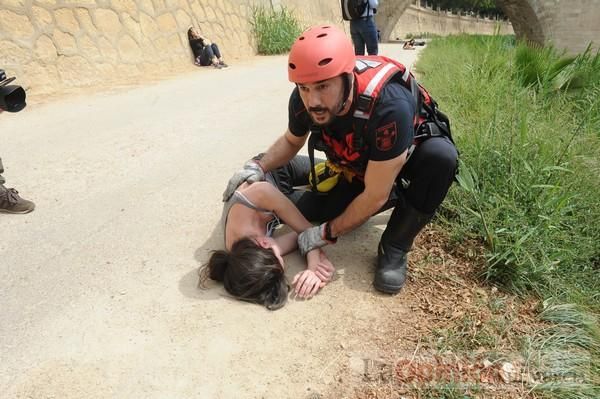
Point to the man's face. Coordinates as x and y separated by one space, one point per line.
323 99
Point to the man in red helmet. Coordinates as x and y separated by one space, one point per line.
327 103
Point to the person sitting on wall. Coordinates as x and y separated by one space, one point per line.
206 53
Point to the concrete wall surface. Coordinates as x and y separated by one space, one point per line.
417 19
568 25
54 45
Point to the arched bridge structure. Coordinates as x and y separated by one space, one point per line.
569 25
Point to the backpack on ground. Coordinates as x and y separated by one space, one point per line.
353 9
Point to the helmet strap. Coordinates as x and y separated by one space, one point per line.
346 79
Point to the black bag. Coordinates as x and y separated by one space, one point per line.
353 9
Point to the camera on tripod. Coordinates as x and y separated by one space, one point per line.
12 97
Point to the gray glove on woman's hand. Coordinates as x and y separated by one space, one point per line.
312 238
252 172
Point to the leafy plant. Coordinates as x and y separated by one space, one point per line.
527 124
275 29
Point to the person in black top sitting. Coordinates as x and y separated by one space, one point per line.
205 52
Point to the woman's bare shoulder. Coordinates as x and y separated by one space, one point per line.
260 193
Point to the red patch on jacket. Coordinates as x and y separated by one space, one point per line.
385 137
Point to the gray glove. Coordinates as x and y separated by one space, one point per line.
252 172
312 238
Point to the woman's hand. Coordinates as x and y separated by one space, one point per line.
307 284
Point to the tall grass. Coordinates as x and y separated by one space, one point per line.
530 154
275 29
527 124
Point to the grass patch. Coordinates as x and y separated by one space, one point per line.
275 29
527 123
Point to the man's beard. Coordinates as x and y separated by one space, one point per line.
333 115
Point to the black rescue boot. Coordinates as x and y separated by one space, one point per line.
402 228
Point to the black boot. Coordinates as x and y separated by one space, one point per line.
397 239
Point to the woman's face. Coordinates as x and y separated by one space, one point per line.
195 33
270 243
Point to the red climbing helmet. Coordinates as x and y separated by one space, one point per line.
320 53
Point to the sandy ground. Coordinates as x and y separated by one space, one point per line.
98 286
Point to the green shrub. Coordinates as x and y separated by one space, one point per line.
275 30
527 124
529 160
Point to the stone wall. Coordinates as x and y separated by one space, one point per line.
52 45
416 19
569 25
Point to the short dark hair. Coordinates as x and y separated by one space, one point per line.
250 273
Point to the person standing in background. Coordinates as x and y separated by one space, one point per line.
364 31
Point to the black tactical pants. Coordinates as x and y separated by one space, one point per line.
423 182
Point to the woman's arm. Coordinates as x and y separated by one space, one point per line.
265 195
287 242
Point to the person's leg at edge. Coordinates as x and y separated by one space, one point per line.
422 186
207 57
2 181
357 38
370 36
10 201
217 54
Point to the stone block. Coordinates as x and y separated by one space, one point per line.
76 71
13 54
132 27
107 22
146 6
210 14
14 3
16 25
159 6
183 19
166 23
65 43
128 6
42 19
108 51
65 20
45 49
41 78
88 48
129 50
126 70
199 12
148 26
106 71
85 20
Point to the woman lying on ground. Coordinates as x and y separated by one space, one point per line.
252 267
205 52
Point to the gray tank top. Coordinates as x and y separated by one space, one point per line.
239 198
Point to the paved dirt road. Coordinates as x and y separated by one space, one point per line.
99 296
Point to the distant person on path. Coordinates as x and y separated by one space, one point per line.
206 53
379 129
364 31
409 44
252 267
